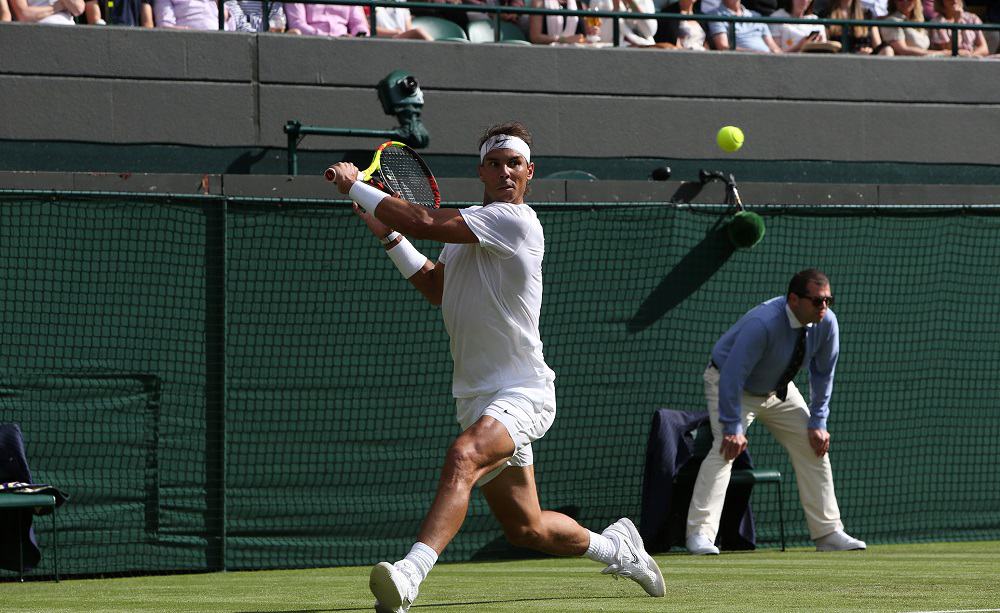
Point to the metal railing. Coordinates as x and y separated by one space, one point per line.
495 12
295 131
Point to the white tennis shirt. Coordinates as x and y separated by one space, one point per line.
492 300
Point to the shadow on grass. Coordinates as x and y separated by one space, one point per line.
436 604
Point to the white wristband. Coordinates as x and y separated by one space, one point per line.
388 238
366 196
406 258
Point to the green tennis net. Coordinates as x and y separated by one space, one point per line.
241 384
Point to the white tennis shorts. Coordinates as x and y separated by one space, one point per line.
526 410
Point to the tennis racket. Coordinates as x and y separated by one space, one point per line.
397 170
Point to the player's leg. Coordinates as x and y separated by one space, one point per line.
788 422
494 427
528 412
482 447
513 498
709 494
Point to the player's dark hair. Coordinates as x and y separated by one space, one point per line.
799 285
510 128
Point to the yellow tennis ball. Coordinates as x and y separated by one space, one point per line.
729 138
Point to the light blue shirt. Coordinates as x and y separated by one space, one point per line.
748 35
754 353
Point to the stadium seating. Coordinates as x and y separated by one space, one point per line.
483 32
441 29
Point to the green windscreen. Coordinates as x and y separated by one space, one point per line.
239 384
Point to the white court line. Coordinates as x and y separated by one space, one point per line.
959 611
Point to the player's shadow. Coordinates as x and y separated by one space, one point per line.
698 266
437 605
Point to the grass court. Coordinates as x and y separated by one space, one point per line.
902 578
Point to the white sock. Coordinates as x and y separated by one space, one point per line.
601 549
423 557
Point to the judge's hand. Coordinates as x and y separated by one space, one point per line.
732 446
819 440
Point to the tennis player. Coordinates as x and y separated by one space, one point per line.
488 282
748 378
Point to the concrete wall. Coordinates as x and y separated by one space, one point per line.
213 89
462 191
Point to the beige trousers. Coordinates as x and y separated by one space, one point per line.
788 422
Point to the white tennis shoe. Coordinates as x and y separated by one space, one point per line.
839 541
394 585
631 559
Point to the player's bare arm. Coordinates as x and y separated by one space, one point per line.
442 225
429 280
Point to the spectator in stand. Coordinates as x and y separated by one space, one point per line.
186 14
971 43
459 17
686 34
248 16
929 13
135 13
521 20
4 11
53 12
750 36
863 40
92 13
396 22
327 19
551 29
792 37
875 9
907 41
463 19
633 32
473 16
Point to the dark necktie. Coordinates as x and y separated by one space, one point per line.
781 391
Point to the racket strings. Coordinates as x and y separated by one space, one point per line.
406 176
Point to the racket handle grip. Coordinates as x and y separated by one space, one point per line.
330 174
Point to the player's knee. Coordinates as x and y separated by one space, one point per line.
523 535
462 461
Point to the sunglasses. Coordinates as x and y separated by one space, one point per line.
818 301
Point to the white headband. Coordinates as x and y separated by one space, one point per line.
505 141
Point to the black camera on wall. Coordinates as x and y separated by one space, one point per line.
400 95
400 92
